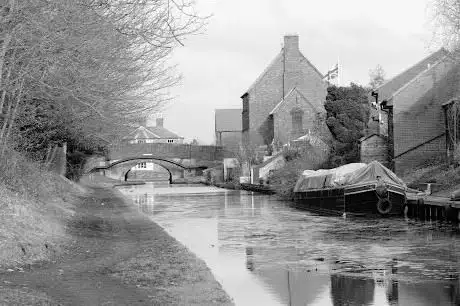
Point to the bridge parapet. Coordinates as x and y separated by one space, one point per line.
168 150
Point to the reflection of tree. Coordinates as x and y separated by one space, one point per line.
347 290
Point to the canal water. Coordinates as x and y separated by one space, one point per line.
265 252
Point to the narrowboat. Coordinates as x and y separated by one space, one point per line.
358 188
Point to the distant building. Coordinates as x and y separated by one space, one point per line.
286 101
228 127
410 108
153 134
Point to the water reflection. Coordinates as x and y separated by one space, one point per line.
265 253
347 290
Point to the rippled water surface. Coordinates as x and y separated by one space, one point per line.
264 252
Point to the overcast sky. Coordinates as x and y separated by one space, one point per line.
243 36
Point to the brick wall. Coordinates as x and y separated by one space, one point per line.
289 69
419 117
263 97
165 150
301 74
283 129
374 148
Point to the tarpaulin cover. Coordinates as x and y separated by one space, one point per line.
349 174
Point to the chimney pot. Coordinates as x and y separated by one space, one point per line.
160 122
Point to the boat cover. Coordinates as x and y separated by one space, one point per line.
349 174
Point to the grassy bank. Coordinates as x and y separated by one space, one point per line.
34 207
444 179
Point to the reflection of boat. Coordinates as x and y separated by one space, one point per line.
356 188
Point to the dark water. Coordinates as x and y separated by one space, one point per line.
264 252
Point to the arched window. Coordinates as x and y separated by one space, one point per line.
297 121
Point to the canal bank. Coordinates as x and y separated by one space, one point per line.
116 255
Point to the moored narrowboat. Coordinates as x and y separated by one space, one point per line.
363 189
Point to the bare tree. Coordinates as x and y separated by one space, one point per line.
446 22
376 76
105 61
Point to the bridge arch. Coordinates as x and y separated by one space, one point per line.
133 158
125 175
126 165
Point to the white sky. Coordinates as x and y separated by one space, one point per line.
243 36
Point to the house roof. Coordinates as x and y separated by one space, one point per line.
151 132
228 120
294 89
387 89
414 79
278 58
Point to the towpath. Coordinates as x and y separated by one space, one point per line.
118 257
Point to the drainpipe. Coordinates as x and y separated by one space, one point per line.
389 110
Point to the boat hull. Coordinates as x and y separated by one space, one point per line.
360 199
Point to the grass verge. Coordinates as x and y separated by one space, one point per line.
34 205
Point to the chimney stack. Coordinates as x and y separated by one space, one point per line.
291 42
160 122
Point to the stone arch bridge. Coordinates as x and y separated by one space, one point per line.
174 158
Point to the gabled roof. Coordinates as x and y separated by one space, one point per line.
228 120
151 132
294 89
279 58
387 89
163 133
414 79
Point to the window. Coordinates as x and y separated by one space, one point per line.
297 121
141 141
170 140
141 166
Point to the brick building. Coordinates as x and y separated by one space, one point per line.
286 101
411 111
